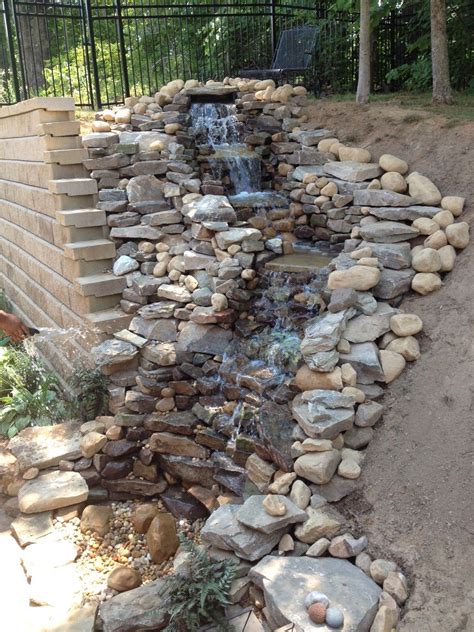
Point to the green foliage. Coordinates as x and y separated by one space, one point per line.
29 394
91 393
415 76
199 596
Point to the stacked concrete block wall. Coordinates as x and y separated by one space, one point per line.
55 257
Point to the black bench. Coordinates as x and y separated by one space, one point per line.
292 57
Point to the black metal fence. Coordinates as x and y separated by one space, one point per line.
100 51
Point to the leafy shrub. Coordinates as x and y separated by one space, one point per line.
91 389
29 394
199 596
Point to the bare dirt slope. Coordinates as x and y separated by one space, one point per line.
417 501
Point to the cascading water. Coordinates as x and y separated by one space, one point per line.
217 125
265 354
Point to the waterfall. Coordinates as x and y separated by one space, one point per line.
217 125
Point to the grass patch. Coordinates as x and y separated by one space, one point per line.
461 111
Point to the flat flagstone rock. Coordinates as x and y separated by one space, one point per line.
51 491
252 514
224 531
381 197
394 256
286 581
388 232
365 359
45 446
400 214
300 172
323 414
30 528
368 328
57 587
142 608
353 171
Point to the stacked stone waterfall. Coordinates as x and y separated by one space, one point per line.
192 254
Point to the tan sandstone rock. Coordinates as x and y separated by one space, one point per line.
406 324
423 190
453 203
361 278
392 364
448 257
407 346
458 235
355 154
388 162
426 260
393 181
426 282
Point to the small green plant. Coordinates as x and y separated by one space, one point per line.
29 394
91 389
199 596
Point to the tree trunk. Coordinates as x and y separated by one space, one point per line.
439 53
363 85
34 42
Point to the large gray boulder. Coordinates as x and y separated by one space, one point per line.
224 531
365 359
368 328
286 581
204 339
393 256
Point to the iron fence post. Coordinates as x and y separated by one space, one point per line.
96 100
123 58
11 49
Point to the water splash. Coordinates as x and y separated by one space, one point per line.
217 125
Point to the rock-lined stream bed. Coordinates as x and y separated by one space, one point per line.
243 399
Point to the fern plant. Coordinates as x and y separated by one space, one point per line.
29 394
200 596
92 396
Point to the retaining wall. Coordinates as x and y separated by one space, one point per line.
55 257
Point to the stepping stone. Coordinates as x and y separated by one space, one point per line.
45 446
286 581
51 491
56 587
48 553
30 528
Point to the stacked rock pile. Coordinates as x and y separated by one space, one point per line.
192 258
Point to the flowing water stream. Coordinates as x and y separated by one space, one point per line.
265 353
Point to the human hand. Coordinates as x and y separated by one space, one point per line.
13 327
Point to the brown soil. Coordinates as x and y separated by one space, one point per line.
416 504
